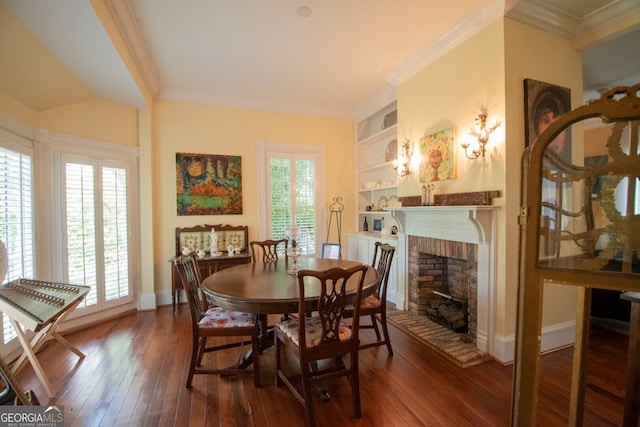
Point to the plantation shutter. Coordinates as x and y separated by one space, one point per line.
81 228
116 253
16 219
293 197
97 230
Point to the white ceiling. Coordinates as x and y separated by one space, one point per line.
263 54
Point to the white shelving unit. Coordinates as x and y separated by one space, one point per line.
377 181
376 142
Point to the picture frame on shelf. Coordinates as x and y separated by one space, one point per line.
377 224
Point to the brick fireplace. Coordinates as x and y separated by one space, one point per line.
462 238
447 267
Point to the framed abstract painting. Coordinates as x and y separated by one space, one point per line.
439 160
208 184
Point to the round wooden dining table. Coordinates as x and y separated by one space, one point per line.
267 288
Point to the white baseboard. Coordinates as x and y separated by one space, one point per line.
164 297
147 302
553 337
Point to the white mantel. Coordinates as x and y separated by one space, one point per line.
469 224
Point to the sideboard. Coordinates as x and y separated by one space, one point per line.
199 238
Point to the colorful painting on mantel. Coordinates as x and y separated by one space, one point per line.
438 156
208 184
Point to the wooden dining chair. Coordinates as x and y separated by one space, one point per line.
376 305
208 322
322 336
268 249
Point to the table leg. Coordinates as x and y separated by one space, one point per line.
265 340
265 336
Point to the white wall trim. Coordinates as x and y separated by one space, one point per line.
554 337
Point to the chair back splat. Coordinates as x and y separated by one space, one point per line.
324 335
375 306
267 250
209 322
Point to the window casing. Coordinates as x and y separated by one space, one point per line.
293 193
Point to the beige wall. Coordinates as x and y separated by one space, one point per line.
16 110
95 118
532 53
488 71
198 128
452 91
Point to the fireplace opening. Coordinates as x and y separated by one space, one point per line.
448 311
443 283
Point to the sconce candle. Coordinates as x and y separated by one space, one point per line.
480 131
402 163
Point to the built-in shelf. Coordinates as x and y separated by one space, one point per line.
376 145
374 213
379 188
389 132
380 166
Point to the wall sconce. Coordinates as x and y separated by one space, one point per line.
480 131
401 164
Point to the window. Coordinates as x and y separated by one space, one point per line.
80 201
294 192
96 230
16 213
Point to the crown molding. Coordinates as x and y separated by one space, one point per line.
375 103
124 19
470 26
200 97
545 16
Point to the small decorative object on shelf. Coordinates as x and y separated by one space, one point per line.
426 194
214 242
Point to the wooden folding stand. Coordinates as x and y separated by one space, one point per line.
40 307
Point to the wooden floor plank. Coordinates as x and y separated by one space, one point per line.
135 370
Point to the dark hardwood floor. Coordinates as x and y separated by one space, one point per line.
135 369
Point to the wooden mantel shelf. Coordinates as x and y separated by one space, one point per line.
472 224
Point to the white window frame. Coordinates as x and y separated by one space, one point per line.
317 152
44 147
65 147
